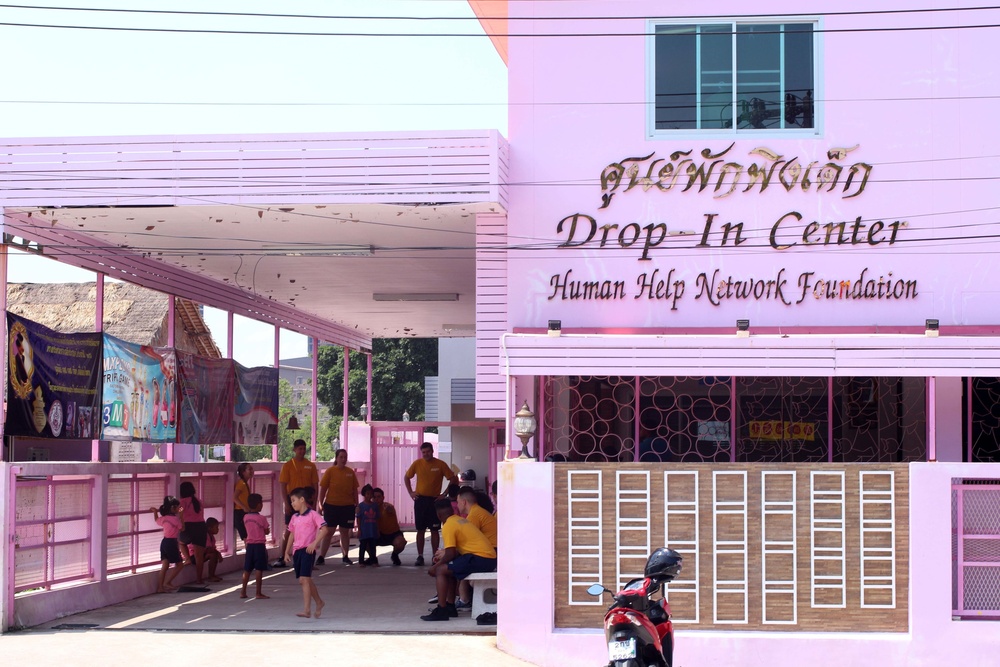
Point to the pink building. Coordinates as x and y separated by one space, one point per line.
749 272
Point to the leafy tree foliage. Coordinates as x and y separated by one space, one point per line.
399 366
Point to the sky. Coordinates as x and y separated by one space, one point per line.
359 76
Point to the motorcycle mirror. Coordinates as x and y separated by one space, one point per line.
596 589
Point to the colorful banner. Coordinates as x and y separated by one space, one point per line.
208 391
256 420
53 381
140 392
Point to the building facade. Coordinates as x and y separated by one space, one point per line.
750 298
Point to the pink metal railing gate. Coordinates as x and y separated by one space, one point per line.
975 548
395 449
52 536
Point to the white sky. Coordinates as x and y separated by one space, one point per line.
74 82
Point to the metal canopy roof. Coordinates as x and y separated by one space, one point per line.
343 237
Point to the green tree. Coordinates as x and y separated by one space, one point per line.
399 366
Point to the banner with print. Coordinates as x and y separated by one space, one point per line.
208 395
256 421
139 394
53 382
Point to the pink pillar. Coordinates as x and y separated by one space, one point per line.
227 448
277 364
368 394
540 416
347 371
315 401
171 342
95 445
829 419
968 420
732 419
932 419
3 350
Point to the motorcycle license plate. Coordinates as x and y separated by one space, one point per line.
622 650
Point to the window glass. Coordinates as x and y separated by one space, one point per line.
758 76
742 76
676 78
716 76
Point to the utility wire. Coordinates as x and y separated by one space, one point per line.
699 17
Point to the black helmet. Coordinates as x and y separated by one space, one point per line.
663 564
469 475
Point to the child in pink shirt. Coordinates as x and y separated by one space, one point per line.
168 517
257 532
307 530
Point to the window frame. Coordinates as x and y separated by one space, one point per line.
781 133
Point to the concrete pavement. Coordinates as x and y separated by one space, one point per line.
371 617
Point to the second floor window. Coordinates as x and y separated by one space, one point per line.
734 76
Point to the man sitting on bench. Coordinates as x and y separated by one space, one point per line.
466 550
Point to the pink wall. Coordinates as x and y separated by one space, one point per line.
525 612
576 106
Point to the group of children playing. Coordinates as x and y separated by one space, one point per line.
189 537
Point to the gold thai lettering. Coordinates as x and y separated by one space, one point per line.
712 171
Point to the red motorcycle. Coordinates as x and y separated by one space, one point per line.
637 627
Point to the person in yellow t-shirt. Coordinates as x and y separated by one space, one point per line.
466 550
389 532
298 472
430 472
339 492
469 507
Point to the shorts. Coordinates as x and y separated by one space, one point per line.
386 539
341 516
195 533
424 514
256 558
303 562
241 528
467 564
170 551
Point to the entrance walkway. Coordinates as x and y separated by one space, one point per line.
386 599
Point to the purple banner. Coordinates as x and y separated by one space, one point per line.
53 383
140 397
208 390
256 421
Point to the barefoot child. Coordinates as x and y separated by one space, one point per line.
212 555
195 531
257 531
170 552
368 516
307 532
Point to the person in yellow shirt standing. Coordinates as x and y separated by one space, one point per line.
297 473
339 491
466 550
430 473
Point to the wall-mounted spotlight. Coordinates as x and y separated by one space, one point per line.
742 328
931 328
555 327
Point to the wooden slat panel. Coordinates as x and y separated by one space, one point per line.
710 586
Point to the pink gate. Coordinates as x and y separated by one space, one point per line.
976 548
396 447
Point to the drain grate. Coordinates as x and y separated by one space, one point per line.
75 626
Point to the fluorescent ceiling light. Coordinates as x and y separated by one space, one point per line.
322 251
415 296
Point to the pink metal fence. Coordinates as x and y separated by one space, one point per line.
52 532
57 541
976 548
133 536
395 449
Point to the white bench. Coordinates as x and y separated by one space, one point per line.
484 592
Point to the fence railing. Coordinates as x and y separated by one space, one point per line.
975 505
57 541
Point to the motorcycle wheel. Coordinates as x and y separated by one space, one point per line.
634 662
668 651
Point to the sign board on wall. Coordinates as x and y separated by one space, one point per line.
701 235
